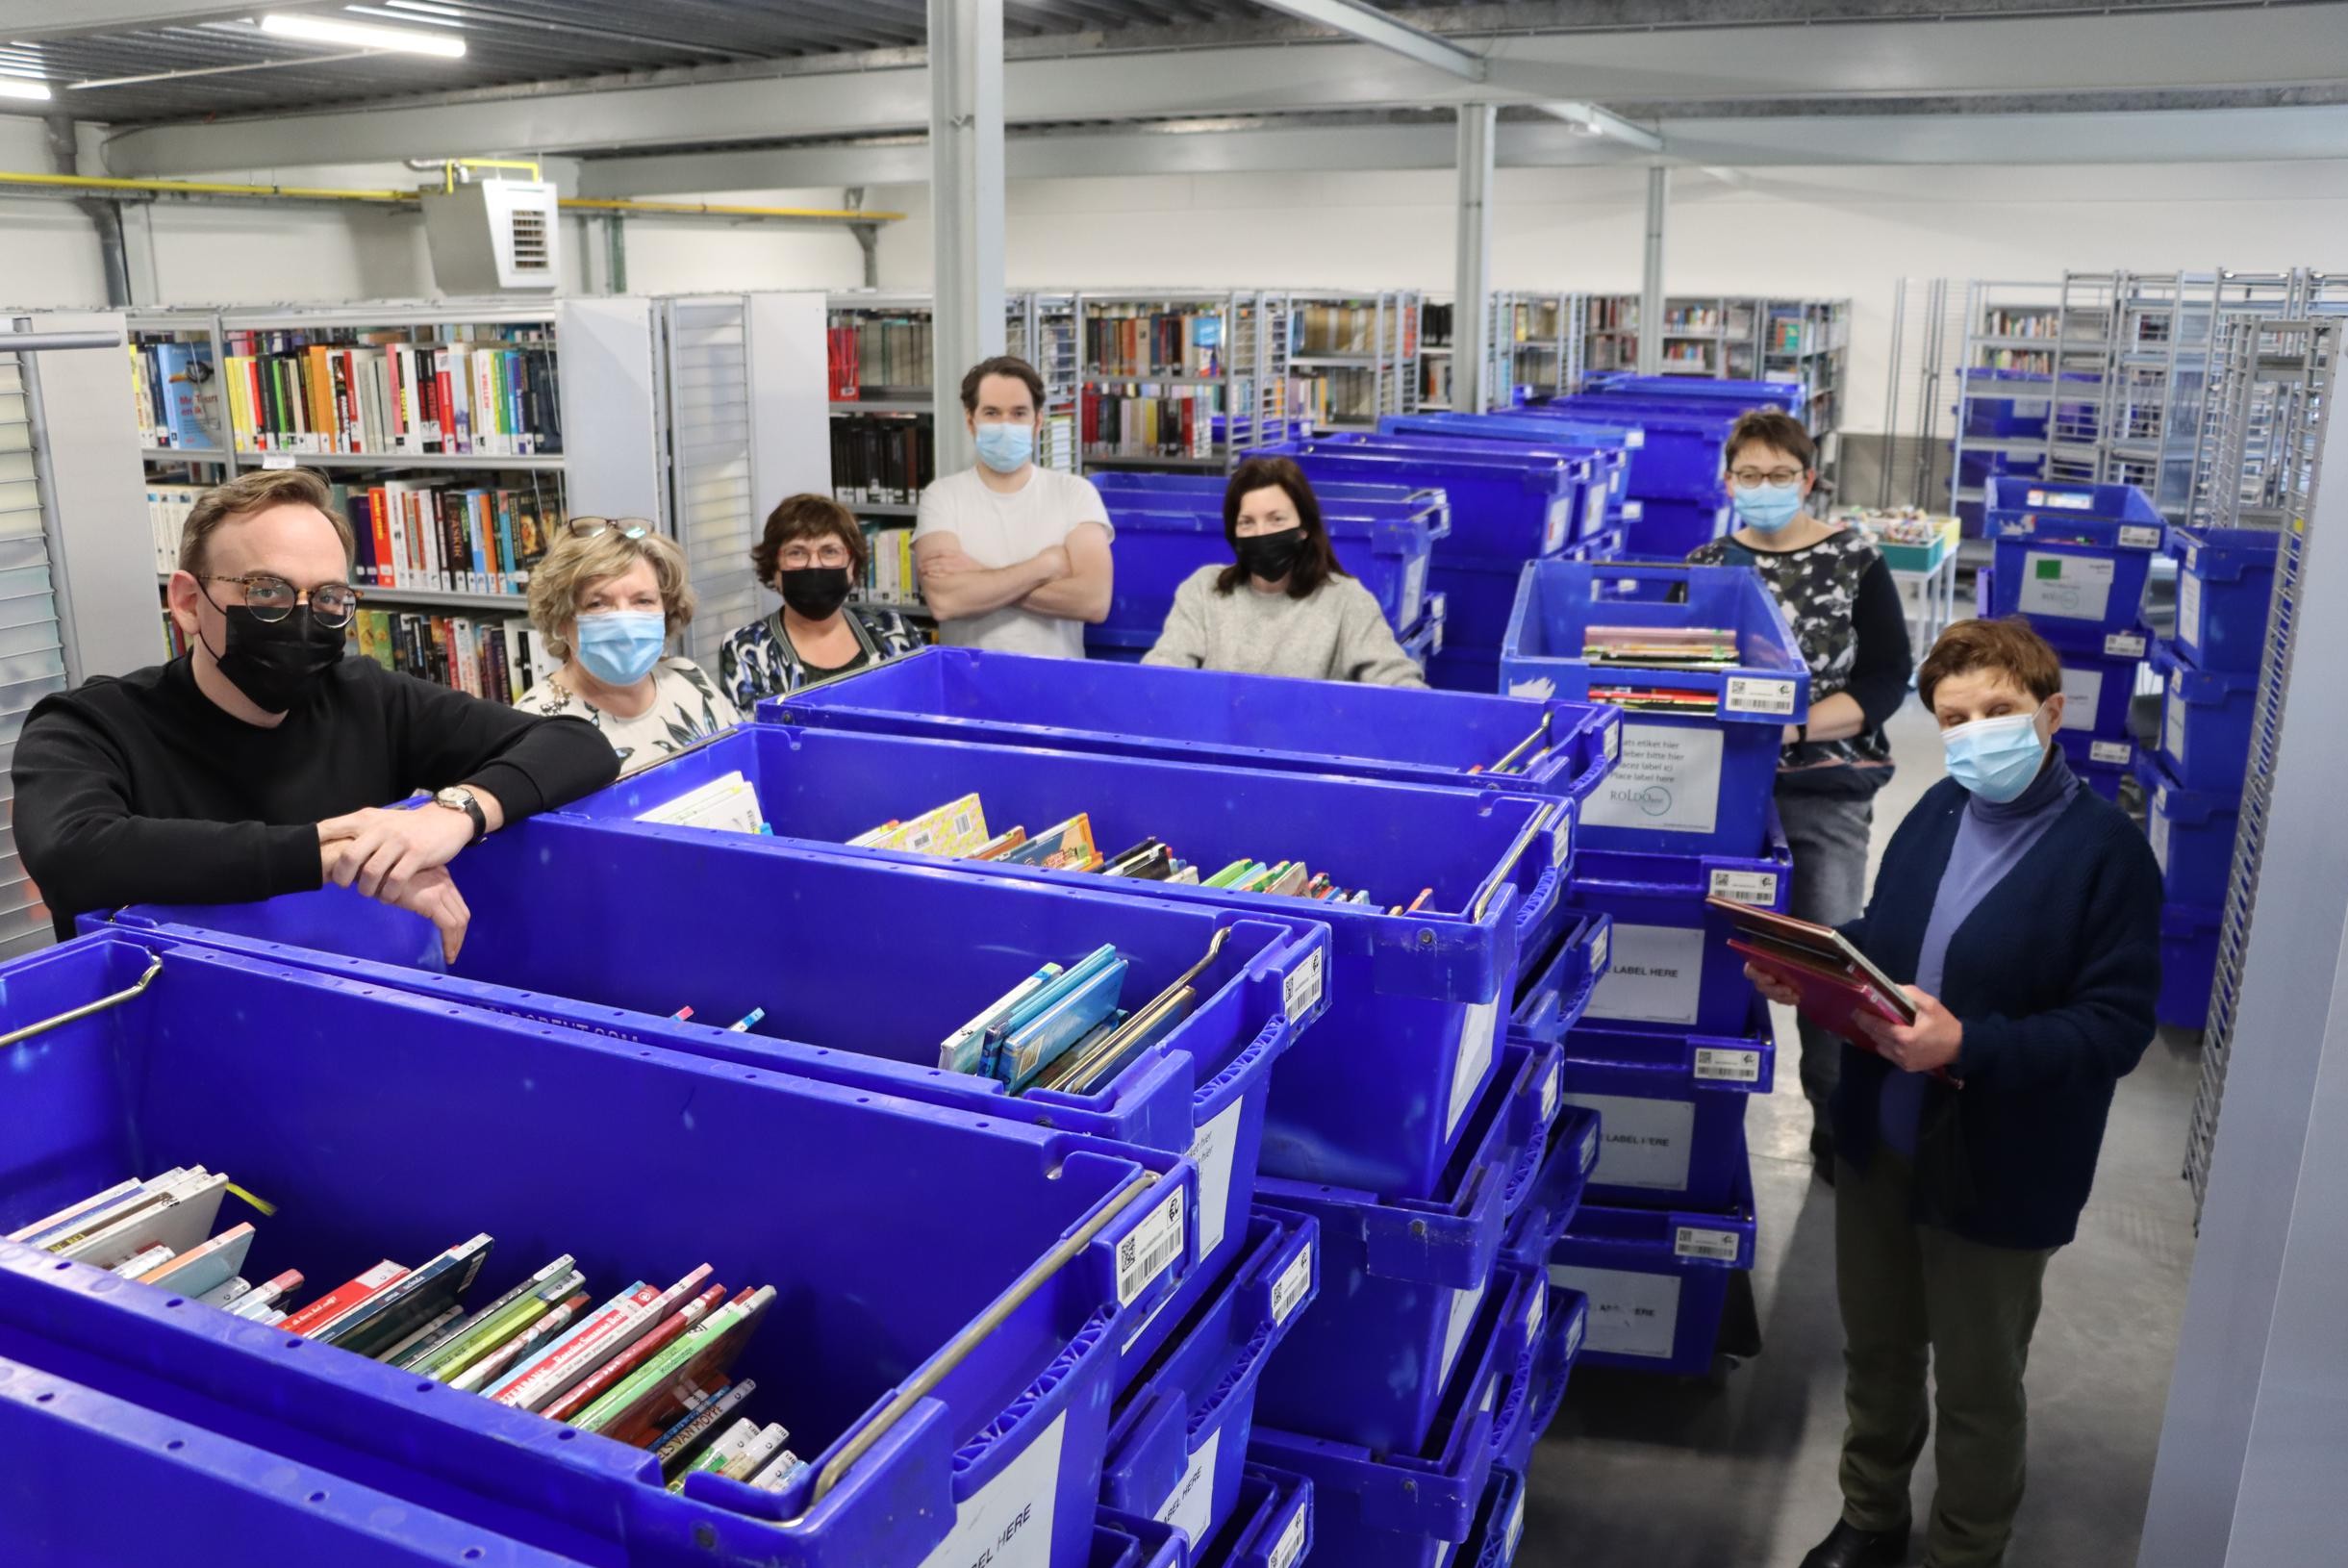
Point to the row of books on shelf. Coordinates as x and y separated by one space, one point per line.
1435 326
878 355
1155 342
882 460
1348 395
465 539
2020 323
486 656
2033 361
646 1366
1608 312
167 390
384 392
1178 421
1336 329
888 568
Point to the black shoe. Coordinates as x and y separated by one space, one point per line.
1850 1547
1822 1153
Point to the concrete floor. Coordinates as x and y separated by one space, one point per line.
1738 1472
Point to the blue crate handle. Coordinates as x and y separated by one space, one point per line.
1561 1181
1517 1385
73 1015
1552 1011
1255 1549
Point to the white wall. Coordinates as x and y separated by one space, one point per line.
49 254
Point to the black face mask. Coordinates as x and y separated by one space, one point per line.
815 592
1271 557
274 662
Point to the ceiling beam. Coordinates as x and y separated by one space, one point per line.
2278 45
1356 20
31 21
1592 120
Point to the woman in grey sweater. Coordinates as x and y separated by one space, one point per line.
1284 606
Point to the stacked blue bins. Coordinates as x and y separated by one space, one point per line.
1511 501
1785 397
1170 525
1672 1044
2072 559
956 1376
2192 780
2005 414
1677 497
1272 1527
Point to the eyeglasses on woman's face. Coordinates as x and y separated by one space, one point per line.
598 528
802 553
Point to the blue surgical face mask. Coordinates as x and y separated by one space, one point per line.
621 646
1006 448
1996 758
1766 508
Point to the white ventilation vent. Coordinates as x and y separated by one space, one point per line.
493 235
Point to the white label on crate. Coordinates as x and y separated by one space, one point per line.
2139 537
2118 752
1290 1287
1722 1065
1753 694
2124 646
1668 778
1631 1314
1475 1055
1589 1149
1414 589
1442 1553
1655 977
1642 1143
1560 520
2056 501
1301 992
2083 689
1464 1303
1758 889
1151 1248
2157 828
1573 1340
1516 1527
1602 951
1634 510
2067 587
2172 733
1533 1314
1291 1545
1594 510
1634 438
1438 645
1212 1150
1553 1092
1561 835
2188 608
1614 741
1190 1507
1714 1246
1007 1523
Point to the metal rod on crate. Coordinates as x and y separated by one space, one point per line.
1521 747
1516 851
72 1014
959 1347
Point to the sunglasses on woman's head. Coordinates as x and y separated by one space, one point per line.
598 528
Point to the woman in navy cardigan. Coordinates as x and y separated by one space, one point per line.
2021 914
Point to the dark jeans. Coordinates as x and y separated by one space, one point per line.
1909 1294
1829 835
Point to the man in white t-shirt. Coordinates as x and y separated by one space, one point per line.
1012 556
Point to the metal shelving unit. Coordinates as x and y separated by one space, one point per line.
1545 343
1361 347
1434 353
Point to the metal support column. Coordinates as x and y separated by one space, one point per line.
136 222
1472 386
1651 280
966 196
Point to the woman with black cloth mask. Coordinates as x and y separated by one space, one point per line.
1283 606
813 554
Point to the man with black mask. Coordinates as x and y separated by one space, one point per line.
255 763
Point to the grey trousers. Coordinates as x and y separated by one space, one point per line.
1829 835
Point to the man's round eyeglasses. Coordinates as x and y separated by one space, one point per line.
270 597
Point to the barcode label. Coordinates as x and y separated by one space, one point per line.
1301 992
2056 501
1757 888
1291 1286
2124 646
1535 1313
1614 741
1436 647
1752 694
1589 1151
1149 1248
1718 1246
1552 1093
1600 947
1634 510
1573 1340
1728 1066
1561 836
2192 557
2138 536
1634 439
2119 751
1516 1528
1291 1544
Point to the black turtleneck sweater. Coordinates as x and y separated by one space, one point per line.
141 790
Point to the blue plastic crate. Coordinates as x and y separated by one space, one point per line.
1669 963
1464 668
1656 1279
385 1123
1607 544
1402 1278
1785 397
1559 1175
1123 1542
1671 1110
1669 529
1298 727
2189 964
1415 995
1479 595
2098 691
1554 989
1564 1331
92 1477
1411 1506
2205 717
1499 1522
1680 456
1614 443
1179 1437
1270 1527
2225 587
1424 641
2071 558
2100 761
2192 833
1687 784
1507 498
1158 552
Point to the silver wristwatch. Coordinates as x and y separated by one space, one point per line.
457 798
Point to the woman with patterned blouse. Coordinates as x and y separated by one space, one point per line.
606 599
811 554
1839 598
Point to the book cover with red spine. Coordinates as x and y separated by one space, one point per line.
591 1388
604 1333
342 1298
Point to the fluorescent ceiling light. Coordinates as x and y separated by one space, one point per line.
14 87
361 35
